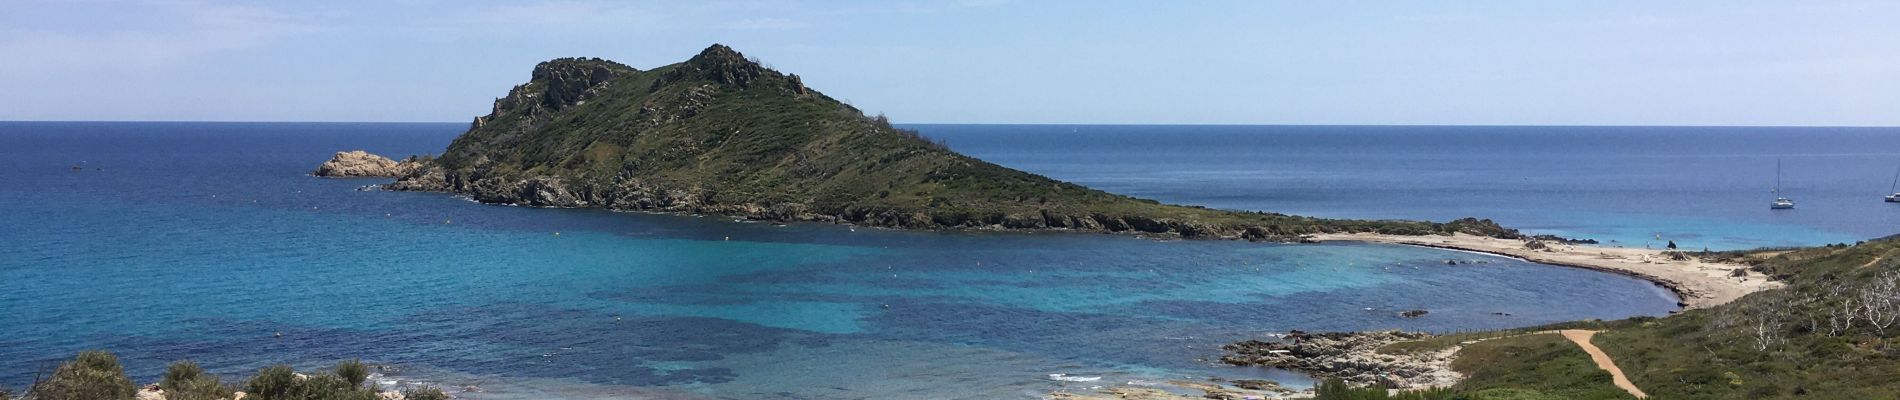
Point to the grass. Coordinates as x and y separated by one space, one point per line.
1533 366
1776 344
1445 341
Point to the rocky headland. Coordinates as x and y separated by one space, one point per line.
720 134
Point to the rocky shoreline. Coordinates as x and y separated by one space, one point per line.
1349 356
634 194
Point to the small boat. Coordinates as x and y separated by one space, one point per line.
1781 202
1894 188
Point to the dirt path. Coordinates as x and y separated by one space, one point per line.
1876 260
1582 339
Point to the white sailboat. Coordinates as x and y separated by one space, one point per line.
1895 197
1780 203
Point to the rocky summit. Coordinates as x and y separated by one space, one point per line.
722 134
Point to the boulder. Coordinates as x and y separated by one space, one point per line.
358 163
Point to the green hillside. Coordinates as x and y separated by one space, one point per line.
721 134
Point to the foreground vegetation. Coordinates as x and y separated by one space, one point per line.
97 375
1830 334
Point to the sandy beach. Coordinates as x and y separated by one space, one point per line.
1700 284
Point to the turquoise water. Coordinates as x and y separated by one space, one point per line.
206 241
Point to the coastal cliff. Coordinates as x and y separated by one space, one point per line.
721 134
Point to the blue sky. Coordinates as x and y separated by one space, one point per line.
986 61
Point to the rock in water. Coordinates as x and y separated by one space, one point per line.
363 164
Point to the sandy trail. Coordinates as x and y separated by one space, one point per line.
1582 339
1700 284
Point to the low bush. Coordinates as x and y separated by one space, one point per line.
92 375
1334 389
425 393
184 380
353 371
344 383
271 383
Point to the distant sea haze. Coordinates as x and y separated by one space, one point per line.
204 241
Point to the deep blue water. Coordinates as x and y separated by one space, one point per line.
1699 186
205 240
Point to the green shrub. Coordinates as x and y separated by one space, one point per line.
184 380
281 383
353 371
93 375
1334 389
326 387
425 393
272 383
180 374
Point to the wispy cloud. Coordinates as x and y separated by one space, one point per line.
179 32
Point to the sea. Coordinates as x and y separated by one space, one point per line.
164 241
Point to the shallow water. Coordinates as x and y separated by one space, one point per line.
205 241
